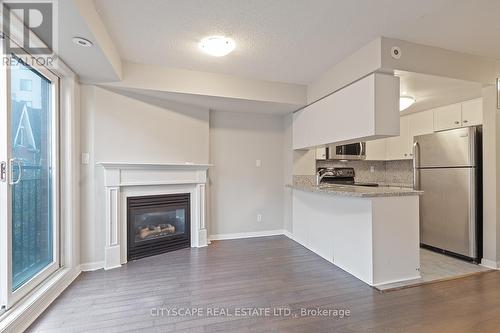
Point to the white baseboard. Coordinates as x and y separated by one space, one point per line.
288 234
23 314
490 263
247 234
91 266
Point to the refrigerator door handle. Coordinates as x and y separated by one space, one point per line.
416 156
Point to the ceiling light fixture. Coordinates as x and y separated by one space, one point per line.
82 42
217 46
405 102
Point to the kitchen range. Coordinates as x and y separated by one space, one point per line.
339 176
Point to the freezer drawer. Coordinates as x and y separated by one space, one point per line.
447 209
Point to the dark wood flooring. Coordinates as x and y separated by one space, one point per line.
263 272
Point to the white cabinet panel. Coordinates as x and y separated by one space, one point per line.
398 148
302 122
472 112
367 108
448 117
320 238
376 150
421 123
321 153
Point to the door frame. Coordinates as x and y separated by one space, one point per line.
8 297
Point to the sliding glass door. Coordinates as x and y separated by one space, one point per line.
29 186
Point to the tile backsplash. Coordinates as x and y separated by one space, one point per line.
399 173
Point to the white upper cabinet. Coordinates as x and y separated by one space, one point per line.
472 112
469 113
398 148
401 147
448 117
421 123
321 153
367 108
376 150
302 121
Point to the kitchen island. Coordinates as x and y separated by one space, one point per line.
370 232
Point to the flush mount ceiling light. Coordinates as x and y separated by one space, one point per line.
82 42
405 102
217 46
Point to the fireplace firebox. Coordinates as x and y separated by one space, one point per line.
157 224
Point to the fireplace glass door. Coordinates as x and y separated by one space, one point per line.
157 224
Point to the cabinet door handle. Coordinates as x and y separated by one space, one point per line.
465 121
457 122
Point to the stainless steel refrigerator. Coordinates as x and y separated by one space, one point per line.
447 167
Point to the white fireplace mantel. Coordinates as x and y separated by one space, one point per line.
122 180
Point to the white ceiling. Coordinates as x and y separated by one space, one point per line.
291 40
172 100
89 63
433 91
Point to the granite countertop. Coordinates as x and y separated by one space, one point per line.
358 191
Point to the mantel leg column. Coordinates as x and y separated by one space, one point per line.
112 249
202 228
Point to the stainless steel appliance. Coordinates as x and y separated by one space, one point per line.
447 167
340 176
352 151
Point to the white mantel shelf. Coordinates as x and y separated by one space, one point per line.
126 179
129 165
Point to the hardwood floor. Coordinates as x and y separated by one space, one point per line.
263 272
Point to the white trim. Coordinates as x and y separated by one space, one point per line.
490 263
381 285
91 266
23 314
122 180
128 165
13 296
252 234
289 234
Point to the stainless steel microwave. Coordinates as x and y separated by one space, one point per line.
352 151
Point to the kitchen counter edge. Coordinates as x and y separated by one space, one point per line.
358 191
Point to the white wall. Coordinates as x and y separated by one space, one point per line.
491 179
116 128
288 167
239 189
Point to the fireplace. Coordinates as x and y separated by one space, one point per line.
157 224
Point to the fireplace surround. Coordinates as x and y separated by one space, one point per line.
125 180
157 224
